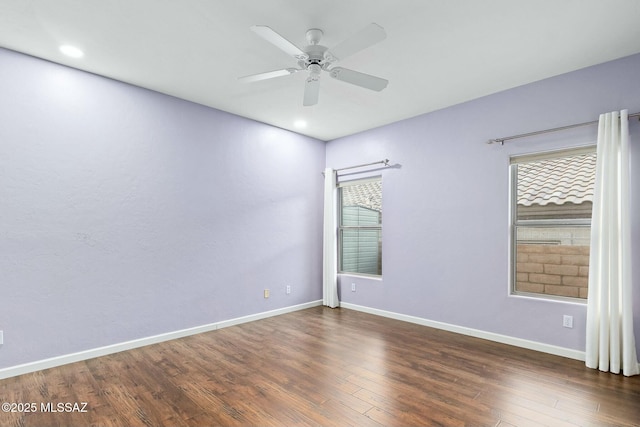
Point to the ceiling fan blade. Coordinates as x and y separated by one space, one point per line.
268 75
311 91
280 42
368 36
359 79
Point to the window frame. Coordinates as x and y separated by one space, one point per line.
515 224
341 228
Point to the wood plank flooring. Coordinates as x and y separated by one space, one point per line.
323 367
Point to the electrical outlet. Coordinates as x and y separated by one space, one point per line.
567 321
266 293
1 337
353 287
288 289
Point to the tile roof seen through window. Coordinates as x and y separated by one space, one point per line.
557 181
367 195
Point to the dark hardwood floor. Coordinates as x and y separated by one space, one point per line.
323 367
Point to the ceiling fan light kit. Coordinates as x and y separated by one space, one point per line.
315 58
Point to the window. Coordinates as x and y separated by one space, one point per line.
360 227
551 200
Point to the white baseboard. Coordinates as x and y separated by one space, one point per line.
504 339
26 368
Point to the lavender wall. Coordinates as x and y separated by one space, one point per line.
445 231
125 213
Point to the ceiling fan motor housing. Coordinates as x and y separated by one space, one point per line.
315 51
316 56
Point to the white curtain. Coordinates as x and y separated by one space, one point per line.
329 247
610 341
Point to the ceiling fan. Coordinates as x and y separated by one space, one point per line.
315 58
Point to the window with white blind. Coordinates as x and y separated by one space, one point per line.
360 227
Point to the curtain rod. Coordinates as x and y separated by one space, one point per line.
384 162
522 135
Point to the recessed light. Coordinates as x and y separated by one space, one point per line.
71 51
300 124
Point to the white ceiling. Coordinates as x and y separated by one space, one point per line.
437 52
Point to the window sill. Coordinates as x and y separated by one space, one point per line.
547 298
361 276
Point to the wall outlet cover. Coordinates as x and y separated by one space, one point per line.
567 321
